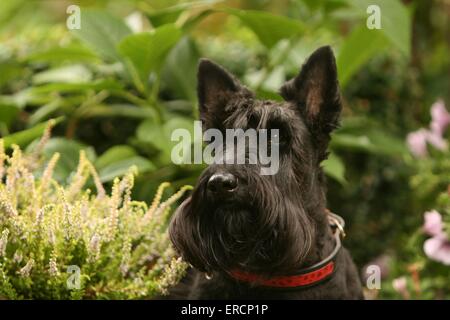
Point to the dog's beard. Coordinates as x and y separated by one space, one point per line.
269 235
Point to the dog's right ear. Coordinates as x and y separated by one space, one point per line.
315 91
216 87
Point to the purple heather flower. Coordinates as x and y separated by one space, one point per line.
440 117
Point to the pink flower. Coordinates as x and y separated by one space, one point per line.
401 286
438 249
417 142
440 117
433 223
436 140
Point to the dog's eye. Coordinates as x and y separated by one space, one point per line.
274 138
278 138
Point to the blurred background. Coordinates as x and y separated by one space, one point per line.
118 86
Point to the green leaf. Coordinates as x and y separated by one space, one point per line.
57 54
18 99
146 50
8 113
121 167
97 85
386 144
69 151
269 28
373 141
102 32
362 133
114 154
23 137
150 131
178 123
358 48
395 21
171 14
334 168
268 95
119 110
67 74
11 70
351 142
44 111
194 20
167 15
160 135
180 70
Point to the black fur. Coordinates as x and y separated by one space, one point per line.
271 225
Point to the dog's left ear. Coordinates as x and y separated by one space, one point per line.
315 90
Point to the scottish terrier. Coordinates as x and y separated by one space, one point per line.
253 236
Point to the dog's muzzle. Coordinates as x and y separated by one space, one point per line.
222 184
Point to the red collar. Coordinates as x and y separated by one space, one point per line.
306 277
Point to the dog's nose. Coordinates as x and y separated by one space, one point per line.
222 183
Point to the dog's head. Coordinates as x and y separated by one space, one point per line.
238 218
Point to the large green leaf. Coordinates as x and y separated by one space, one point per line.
57 54
334 168
24 137
364 134
352 142
119 110
180 70
19 99
358 48
269 28
373 141
150 131
66 74
106 84
114 154
44 112
102 31
395 21
146 50
117 160
121 167
386 143
159 136
11 70
69 151
169 127
8 113
173 13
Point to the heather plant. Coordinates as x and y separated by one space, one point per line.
117 247
420 270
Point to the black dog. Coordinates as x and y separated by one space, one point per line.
252 236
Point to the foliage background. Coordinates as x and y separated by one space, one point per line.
118 87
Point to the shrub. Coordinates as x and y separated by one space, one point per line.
119 246
420 267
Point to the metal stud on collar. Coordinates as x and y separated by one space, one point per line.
337 221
